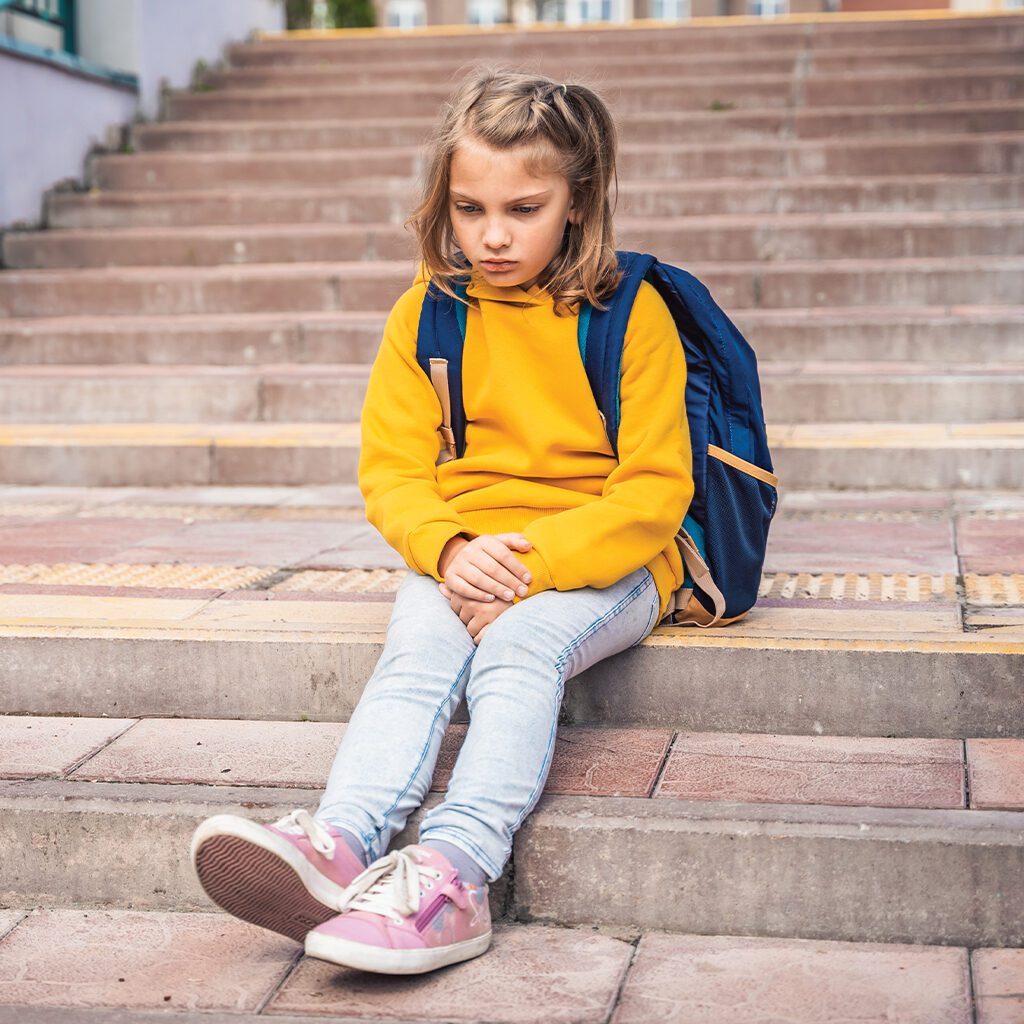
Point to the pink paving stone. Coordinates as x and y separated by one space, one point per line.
596 762
822 545
991 545
721 979
995 771
998 976
586 762
8 919
530 974
236 543
46 747
847 770
78 540
133 960
235 753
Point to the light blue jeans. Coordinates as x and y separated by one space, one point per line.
513 683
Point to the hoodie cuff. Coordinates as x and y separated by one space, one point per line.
541 575
426 543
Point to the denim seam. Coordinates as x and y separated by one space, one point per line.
650 622
423 752
560 665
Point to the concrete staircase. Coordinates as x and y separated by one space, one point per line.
815 812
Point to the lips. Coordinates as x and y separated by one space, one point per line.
498 265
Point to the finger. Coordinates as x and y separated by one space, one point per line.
506 583
503 565
463 588
479 570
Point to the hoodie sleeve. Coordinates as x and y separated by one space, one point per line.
645 497
399 447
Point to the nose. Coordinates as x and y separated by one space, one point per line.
496 234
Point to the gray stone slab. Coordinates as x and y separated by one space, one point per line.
842 689
857 874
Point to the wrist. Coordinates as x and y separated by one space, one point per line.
449 551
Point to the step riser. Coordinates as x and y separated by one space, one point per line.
614 69
193 138
908 467
674 243
237 345
768 879
966 155
85 210
827 688
230 398
116 848
798 285
820 40
772 92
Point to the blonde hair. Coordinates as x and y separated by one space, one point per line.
564 124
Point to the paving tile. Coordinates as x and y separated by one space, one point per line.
995 771
8 919
78 540
998 976
710 979
849 770
586 762
129 959
991 545
1001 623
530 975
34 747
241 543
595 762
802 545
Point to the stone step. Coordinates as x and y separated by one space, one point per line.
862 873
947 85
774 237
949 336
416 72
261 136
995 153
797 392
129 966
383 203
367 285
876 455
818 40
195 604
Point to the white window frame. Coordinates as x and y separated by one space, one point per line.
405 14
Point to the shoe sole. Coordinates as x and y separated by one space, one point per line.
363 957
270 884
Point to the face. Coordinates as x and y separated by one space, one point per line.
509 218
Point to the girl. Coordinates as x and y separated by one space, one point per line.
532 557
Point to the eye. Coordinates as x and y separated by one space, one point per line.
526 209
466 208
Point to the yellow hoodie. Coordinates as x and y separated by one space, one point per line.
537 458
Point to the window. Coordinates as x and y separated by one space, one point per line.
767 8
486 13
405 13
670 10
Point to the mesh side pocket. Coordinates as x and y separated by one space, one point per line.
739 511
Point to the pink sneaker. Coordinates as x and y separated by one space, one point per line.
289 876
407 913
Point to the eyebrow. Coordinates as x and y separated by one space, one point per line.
512 202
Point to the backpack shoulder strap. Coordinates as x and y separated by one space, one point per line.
601 339
439 344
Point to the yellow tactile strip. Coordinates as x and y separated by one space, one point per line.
995 590
992 590
851 586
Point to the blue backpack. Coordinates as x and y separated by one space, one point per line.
723 538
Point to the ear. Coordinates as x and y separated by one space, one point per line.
575 214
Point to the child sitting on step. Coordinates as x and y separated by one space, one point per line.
533 555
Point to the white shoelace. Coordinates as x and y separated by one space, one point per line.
390 886
300 820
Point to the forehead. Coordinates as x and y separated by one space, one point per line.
480 171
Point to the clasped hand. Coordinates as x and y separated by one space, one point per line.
480 578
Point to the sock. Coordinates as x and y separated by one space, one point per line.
469 871
354 843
